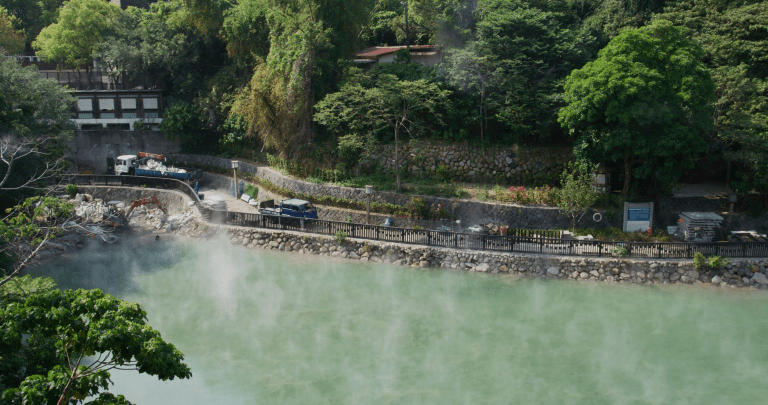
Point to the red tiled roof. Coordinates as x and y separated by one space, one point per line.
377 51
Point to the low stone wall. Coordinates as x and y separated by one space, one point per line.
459 161
469 212
740 273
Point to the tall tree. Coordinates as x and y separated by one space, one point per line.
734 36
33 15
308 39
532 49
391 102
11 38
644 103
34 123
79 28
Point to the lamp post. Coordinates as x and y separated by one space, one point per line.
732 200
235 165
368 191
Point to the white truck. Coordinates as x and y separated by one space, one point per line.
152 164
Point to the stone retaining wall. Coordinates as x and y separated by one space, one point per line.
514 165
469 212
740 273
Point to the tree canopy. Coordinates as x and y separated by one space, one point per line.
79 28
644 103
11 38
386 101
59 346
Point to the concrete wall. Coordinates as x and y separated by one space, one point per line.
90 149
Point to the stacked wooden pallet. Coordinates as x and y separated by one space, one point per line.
698 226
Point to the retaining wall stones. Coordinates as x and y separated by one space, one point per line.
740 273
459 161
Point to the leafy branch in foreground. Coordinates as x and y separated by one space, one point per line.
59 346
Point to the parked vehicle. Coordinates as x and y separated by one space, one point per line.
289 208
152 164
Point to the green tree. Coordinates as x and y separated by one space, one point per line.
308 42
79 28
33 15
391 102
472 72
644 103
34 124
734 36
26 228
576 194
58 346
531 47
11 38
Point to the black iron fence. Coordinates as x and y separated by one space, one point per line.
516 240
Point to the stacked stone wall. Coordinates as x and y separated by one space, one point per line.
514 165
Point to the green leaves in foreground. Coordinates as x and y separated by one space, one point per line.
58 346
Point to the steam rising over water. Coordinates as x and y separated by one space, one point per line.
270 328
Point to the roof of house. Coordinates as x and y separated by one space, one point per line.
376 51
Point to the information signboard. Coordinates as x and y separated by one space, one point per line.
638 216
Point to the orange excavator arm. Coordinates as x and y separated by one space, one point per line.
145 201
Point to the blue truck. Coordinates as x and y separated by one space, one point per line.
152 164
292 207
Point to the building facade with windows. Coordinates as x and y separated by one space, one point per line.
118 109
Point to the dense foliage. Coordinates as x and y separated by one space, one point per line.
249 74
644 103
58 346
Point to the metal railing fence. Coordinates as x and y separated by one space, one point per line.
516 240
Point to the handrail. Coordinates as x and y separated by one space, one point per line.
517 240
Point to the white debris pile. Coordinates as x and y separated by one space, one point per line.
94 209
153 217
157 165
215 202
177 221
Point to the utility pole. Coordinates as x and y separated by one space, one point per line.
407 36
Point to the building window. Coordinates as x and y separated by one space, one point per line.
107 115
106 104
85 104
128 103
85 116
150 103
130 115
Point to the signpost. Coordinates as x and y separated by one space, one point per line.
638 217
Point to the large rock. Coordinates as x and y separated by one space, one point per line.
760 278
553 271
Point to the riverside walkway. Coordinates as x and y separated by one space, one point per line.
518 240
